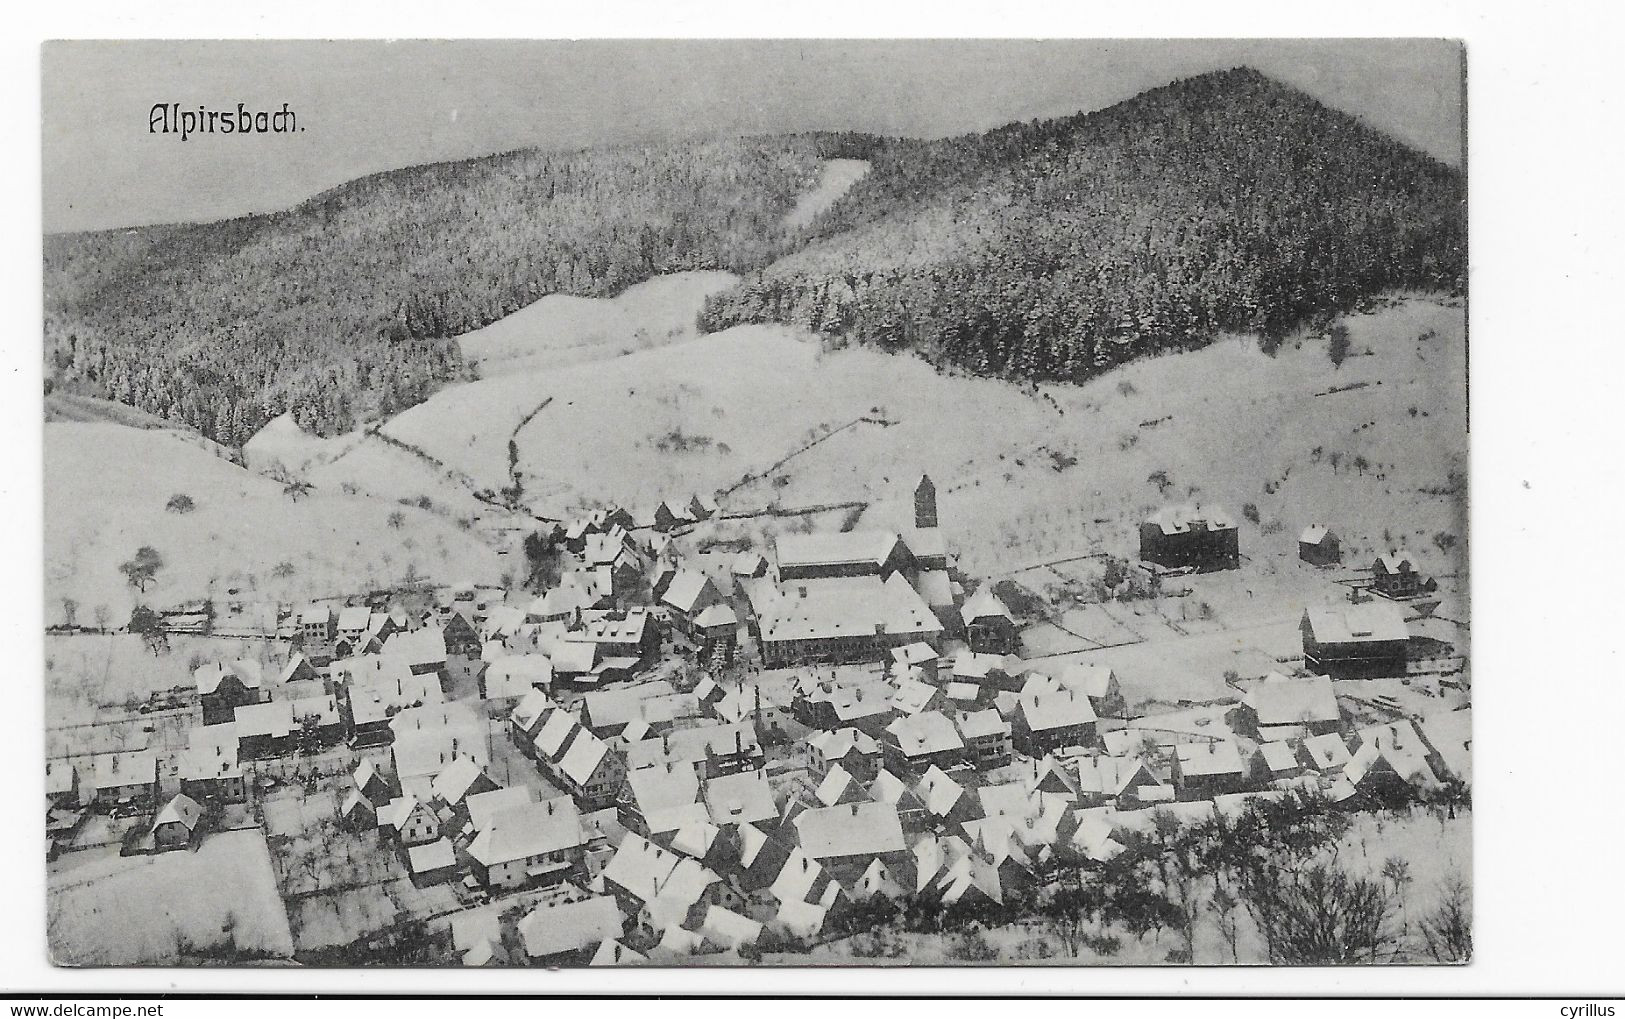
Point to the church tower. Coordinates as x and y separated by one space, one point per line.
925 503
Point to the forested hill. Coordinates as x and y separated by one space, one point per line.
1053 249
342 308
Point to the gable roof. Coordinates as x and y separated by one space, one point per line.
483 808
1191 517
1055 710
834 548
984 604
1209 758
575 926
1375 620
181 809
528 830
741 798
928 732
845 607
1282 700
685 589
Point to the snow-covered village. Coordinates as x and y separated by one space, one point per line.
1039 538
692 748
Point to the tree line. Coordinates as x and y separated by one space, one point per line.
345 308
1056 249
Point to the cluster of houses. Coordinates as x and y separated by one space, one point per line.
672 815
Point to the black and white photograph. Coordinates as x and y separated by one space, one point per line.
756 503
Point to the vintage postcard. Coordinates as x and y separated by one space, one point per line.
789 503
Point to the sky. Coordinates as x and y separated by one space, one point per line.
363 106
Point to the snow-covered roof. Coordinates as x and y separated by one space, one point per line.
833 548
527 830
570 926
1283 700
1375 620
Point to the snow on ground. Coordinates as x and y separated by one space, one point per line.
835 178
561 330
86 671
218 900
283 447
106 489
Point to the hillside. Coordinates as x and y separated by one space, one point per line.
343 309
106 492
1055 249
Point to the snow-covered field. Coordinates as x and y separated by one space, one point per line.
561 330
835 177
217 902
106 491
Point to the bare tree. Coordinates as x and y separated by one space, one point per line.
1448 930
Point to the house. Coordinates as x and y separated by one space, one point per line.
177 824
569 933
1098 682
702 507
1356 641
371 783
670 515
1402 750
1396 576
483 808
857 619
223 687
856 700
427 740
62 782
847 838
947 803
350 628
1050 720
660 799
317 722
1108 779
513 677
423 650
410 819
529 843
744 797
1449 735
583 764
431 863
459 780
615 953
1326 754
987 738
921 656
850 748
1204 769
661 888
608 712
1276 761
747 564
1199 538
357 813
914 743
631 634
1319 545
687 594
317 624
1279 700
462 640
720 749
264 729
827 554
989 626
209 768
